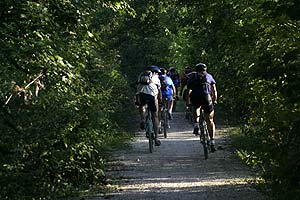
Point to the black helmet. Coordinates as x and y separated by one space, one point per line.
163 71
172 69
187 69
154 68
200 67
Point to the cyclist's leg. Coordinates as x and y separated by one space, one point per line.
155 122
142 110
153 106
209 118
195 101
211 129
210 124
175 99
160 118
209 115
170 103
196 113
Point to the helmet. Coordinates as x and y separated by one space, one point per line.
200 67
187 69
154 68
163 71
172 69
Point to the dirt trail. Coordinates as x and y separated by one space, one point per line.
177 169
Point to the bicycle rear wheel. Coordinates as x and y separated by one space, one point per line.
174 105
149 131
204 139
191 118
205 149
165 119
151 142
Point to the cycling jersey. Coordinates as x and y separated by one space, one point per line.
202 88
167 90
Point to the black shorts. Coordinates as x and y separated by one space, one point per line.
202 100
149 100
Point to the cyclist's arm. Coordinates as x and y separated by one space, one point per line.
182 85
214 92
188 100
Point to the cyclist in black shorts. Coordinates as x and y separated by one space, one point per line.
149 92
203 93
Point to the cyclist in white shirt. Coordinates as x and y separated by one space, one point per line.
149 92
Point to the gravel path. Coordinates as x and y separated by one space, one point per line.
177 169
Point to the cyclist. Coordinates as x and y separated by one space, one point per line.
203 92
174 75
183 82
168 90
148 89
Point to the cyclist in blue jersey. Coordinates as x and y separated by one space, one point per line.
168 90
203 93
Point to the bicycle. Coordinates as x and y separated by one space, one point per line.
189 114
175 99
149 128
204 135
164 122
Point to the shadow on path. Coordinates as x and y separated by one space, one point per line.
177 169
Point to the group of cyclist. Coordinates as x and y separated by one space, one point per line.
197 88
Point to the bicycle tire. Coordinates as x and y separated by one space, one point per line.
205 149
203 141
165 123
149 131
191 118
207 138
204 136
187 114
174 105
151 142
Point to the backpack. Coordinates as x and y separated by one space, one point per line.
174 76
145 78
163 83
197 81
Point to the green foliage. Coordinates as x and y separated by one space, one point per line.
56 138
259 84
87 54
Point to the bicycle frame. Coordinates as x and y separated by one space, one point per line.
189 114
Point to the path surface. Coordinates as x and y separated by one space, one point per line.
177 169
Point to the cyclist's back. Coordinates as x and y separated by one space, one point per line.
200 85
173 74
168 90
